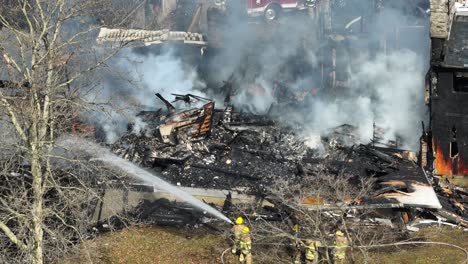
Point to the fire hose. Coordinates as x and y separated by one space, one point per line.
222 255
384 245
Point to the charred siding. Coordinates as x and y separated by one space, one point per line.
449 122
449 97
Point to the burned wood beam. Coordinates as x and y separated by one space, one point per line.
451 217
187 98
169 106
380 155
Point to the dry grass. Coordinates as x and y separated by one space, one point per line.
164 245
152 245
425 254
461 181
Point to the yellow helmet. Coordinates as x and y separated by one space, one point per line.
296 228
339 233
239 220
246 230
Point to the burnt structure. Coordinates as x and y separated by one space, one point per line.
447 89
226 149
221 150
244 155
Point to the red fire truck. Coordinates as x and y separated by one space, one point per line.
271 9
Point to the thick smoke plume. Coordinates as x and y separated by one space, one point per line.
385 82
387 91
129 85
270 63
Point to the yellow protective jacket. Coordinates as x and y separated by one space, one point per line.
311 250
245 244
341 243
237 230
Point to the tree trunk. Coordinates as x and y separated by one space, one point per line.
37 210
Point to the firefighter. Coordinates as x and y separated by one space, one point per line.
237 230
311 251
297 252
341 243
245 246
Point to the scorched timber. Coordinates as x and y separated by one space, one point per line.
246 152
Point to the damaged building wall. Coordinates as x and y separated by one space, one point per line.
449 92
449 123
441 15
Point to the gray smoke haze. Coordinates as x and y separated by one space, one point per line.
387 91
129 85
384 82
376 82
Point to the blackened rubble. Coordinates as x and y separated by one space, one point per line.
454 203
246 152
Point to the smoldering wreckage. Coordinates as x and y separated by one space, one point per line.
229 152
241 153
228 157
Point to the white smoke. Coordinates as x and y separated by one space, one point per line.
397 84
256 98
385 85
384 88
388 91
129 86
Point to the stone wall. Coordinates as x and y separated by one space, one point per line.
441 17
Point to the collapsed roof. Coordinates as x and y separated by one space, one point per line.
247 153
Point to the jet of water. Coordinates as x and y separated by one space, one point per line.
133 170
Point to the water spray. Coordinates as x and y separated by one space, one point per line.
133 170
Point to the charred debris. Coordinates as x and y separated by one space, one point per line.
221 148
204 147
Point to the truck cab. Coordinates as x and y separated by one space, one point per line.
271 9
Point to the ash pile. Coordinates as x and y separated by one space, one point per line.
224 149
211 148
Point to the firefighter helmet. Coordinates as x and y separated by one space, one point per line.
296 228
246 230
